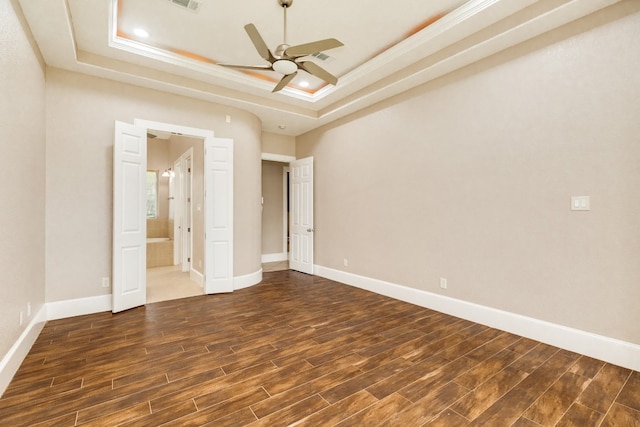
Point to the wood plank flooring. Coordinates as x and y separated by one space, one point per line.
302 350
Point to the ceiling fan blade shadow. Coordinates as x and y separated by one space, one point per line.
313 47
316 70
259 43
248 67
285 80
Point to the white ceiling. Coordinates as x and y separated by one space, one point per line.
389 47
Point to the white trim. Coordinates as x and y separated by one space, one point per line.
283 256
13 359
248 280
196 276
285 206
282 158
610 350
78 307
169 127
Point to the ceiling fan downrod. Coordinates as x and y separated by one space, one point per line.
285 4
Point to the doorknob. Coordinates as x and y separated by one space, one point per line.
310 230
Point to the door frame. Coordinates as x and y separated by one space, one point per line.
207 135
285 210
186 220
220 280
176 181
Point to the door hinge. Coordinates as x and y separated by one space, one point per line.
188 259
189 230
189 170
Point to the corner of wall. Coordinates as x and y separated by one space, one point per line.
13 359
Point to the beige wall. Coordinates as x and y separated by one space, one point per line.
470 178
81 111
272 208
278 144
22 141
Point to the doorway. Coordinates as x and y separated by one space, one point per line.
178 162
130 208
296 231
275 253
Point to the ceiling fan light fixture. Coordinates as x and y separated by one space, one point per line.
285 66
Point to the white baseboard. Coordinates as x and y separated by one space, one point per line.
283 256
78 307
197 277
13 359
241 282
610 350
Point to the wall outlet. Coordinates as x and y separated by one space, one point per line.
580 203
443 283
346 262
105 282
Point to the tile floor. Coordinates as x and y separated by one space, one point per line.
275 266
301 350
169 283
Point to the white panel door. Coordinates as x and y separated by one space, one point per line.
301 223
129 283
218 165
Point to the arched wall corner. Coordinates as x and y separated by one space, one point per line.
247 240
248 280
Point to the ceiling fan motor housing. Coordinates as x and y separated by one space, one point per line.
279 52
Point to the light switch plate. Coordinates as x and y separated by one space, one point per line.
580 203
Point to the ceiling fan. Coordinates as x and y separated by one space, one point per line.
285 58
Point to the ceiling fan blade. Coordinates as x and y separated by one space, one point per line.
313 47
316 70
286 79
258 42
248 67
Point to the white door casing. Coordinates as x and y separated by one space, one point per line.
301 205
218 169
129 274
187 213
129 228
176 180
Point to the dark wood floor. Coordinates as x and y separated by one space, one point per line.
303 350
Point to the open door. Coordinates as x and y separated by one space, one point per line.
218 169
301 228
129 274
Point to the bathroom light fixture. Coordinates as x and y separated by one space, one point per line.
168 173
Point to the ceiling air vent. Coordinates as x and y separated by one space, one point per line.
192 5
322 56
